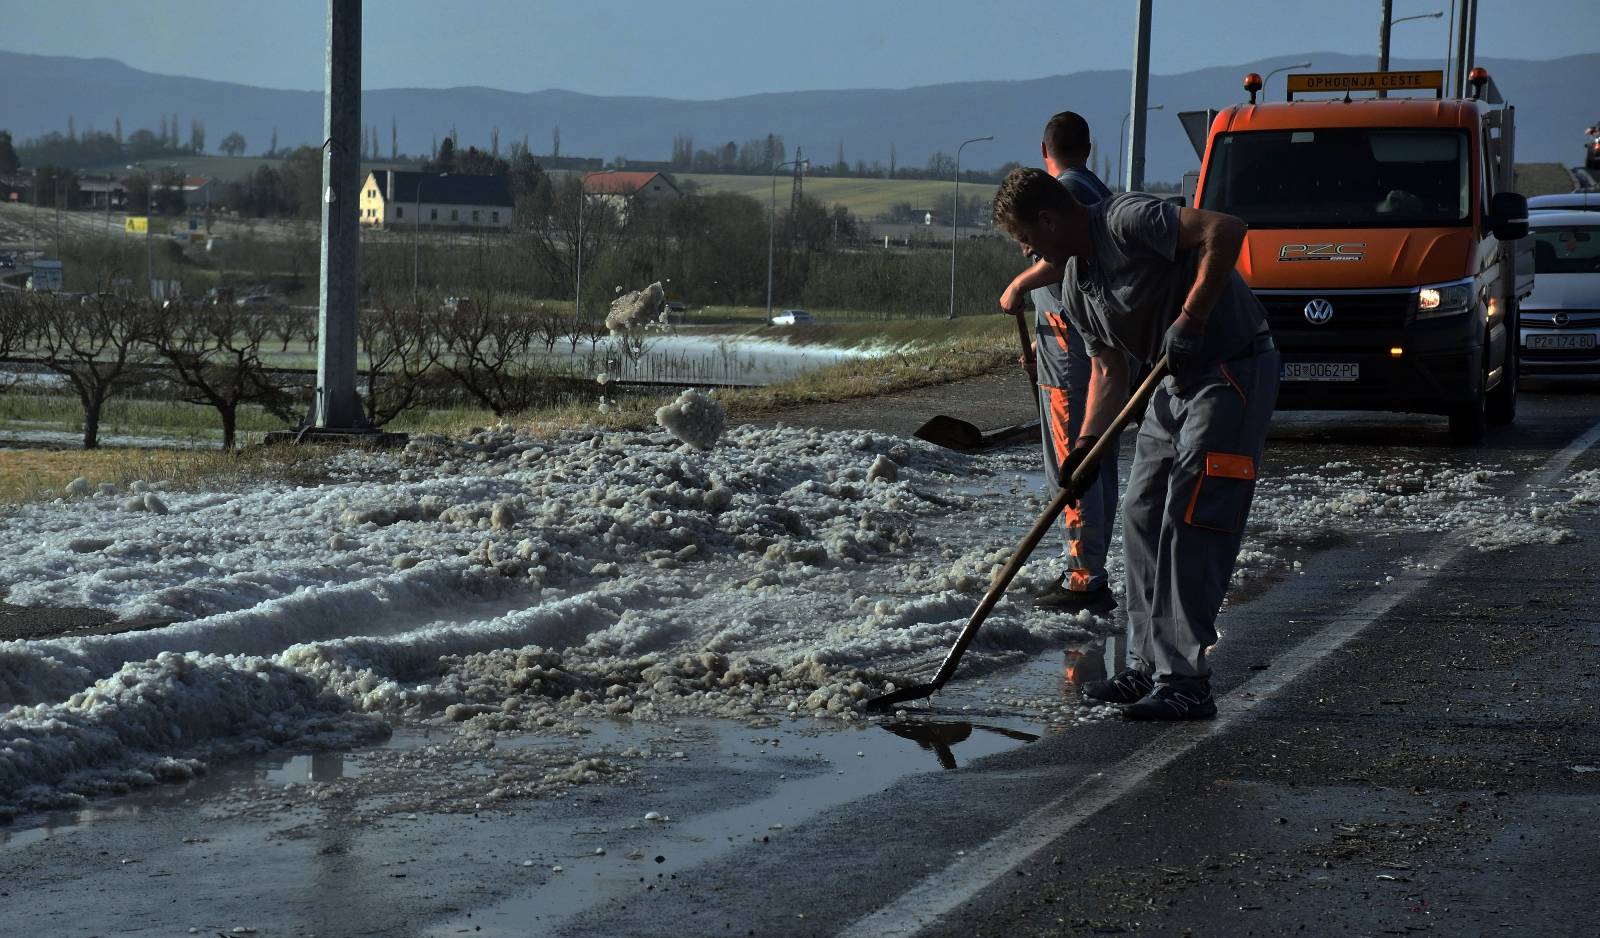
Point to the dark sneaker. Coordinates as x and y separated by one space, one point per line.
1061 599
1174 702
1126 687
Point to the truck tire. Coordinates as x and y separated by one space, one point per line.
1502 406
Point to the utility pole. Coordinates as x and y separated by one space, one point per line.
1141 94
1385 24
1458 77
336 406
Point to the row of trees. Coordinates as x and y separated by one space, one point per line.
483 352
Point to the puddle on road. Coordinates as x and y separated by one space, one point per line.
813 770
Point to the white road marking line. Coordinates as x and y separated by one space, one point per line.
956 884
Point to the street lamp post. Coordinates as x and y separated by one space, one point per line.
416 235
1278 70
955 221
1122 132
772 225
1384 26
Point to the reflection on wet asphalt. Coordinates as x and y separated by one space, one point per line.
940 737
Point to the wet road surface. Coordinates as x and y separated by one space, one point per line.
1393 755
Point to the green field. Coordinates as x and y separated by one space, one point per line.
865 198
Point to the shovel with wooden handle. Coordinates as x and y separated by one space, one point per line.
1082 477
954 433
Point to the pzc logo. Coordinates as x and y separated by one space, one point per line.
1348 251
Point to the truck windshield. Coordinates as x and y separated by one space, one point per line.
1570 250
1341 178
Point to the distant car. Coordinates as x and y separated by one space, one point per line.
793 317
1565 202
454 304
8 262
258 300
1560 322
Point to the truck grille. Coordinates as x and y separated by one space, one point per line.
1356 316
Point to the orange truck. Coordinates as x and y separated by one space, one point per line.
1385 240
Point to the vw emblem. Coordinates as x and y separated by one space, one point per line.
1319 311
1562 319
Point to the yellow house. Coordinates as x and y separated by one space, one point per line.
397 199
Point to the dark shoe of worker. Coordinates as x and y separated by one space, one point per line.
1126 687
1187 701
1061 599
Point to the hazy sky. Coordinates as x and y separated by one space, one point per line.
723 48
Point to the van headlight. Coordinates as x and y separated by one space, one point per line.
1444 299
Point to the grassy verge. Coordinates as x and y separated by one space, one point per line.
32 474
925 352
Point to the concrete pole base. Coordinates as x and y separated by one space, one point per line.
365 436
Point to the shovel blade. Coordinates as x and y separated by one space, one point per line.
960 435
950 432
914 692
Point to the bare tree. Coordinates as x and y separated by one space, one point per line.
548 325
484 350
395 341
98 348
215 354
573 218
17 326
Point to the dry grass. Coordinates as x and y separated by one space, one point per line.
31 474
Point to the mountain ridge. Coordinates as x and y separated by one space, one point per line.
43 91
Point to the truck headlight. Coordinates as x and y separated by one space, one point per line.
1444 299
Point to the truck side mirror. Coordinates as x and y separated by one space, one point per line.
1508 216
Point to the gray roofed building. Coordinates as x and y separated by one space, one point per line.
397 198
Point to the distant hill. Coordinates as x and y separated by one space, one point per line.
41 92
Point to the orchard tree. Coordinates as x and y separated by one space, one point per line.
98 349
215 354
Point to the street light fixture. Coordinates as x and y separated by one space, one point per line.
416 234
1384 26
1121 133
772 224
1276 71
955 221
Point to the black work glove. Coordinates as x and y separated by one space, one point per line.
1075 458
1182 345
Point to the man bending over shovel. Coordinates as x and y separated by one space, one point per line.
1145 278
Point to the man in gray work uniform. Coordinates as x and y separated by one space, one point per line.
1060 371
1149 279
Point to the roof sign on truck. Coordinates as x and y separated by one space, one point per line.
1432 80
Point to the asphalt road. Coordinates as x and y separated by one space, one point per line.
1430 766
1414 754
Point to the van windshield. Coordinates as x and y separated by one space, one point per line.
1341 178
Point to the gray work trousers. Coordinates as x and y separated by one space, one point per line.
1184 511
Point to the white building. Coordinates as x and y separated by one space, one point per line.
397 199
